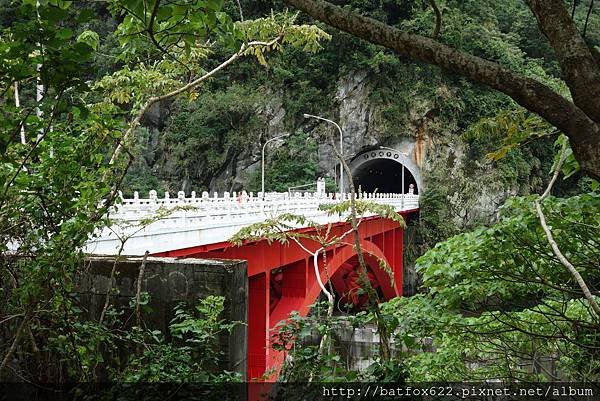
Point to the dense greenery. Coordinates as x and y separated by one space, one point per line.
498 299
203 137
64 152
496 305
190 355
53 182
406 98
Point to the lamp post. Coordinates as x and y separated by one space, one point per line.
263 162
341 145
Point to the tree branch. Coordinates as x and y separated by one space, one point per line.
384 337
587 19
151 35
563 260
438 19
155 99
240 8
15 342
138 293
529 93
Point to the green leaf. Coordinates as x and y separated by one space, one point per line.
90 38
64 33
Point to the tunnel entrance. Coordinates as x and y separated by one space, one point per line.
383 176
384 171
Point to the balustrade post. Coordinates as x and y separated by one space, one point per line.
153 196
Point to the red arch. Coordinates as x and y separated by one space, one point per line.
370 250
303 305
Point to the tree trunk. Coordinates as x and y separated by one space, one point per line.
579 68
582 130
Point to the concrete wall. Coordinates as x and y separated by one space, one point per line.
358 346
170 281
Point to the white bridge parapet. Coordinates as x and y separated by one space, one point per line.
163 224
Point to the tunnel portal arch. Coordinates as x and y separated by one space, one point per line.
382 169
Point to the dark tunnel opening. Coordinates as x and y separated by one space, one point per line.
383 176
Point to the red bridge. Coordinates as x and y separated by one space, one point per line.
282 279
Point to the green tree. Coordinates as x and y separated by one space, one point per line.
64 152
498 303
292 164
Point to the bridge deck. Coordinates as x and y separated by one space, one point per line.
164 224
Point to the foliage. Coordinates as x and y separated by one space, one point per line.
363 208
517 234
188 29
53 183
506 154
280 228
292 164
169 27
524 138
516 144
140 176
113 351
513 128
192 354
59 157
495 299
499 305
298 339
204 135
404 96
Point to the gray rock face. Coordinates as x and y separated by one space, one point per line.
355 113
240 169
430 143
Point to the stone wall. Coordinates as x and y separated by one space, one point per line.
170 281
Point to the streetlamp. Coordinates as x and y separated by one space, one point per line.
263 161
341 146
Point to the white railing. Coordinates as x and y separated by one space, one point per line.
161 224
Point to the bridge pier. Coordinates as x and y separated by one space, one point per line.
258 324
389 245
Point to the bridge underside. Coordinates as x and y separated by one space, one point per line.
282 278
